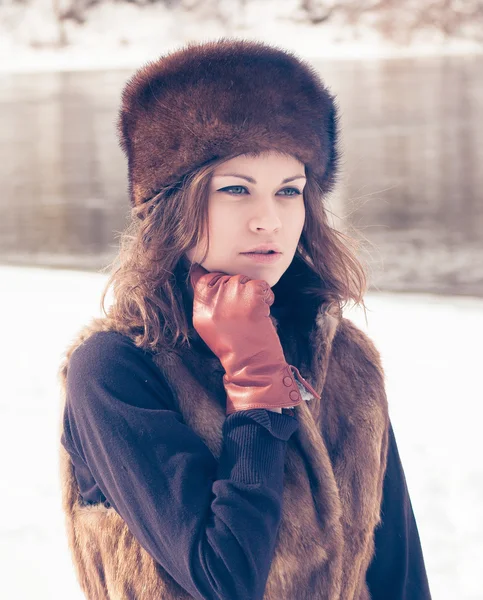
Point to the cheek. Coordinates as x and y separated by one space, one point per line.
223 226
297 219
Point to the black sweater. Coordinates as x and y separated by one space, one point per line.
211 524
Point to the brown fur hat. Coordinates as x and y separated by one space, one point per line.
220 99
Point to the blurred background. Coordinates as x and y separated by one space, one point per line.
408 76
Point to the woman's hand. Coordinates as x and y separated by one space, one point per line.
231 313
226 306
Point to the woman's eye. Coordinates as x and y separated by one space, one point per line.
297 193
242 187
233 187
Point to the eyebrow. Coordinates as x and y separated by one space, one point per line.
251 180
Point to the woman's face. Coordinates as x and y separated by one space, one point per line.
250 204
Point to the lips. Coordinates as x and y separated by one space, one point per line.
264 248
261 257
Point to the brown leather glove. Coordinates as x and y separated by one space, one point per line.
231 313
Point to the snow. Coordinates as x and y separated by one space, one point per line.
124 35
433 379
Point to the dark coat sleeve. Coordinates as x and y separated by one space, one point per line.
397 570
212 524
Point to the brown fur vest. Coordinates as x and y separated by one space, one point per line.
334 470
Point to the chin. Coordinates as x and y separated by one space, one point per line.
270 276
273 280
270 279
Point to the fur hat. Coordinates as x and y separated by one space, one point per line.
224 98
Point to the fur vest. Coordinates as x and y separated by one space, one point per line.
334 470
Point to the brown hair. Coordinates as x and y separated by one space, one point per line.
150 275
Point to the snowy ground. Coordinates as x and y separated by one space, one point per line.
432 361
123 35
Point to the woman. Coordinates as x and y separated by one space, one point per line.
225 430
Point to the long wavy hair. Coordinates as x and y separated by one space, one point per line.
150 275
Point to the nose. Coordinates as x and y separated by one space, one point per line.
265 216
